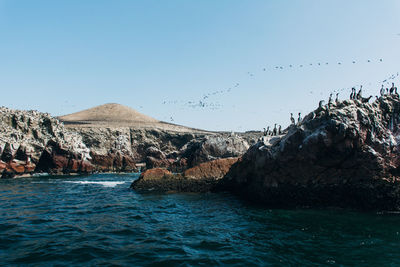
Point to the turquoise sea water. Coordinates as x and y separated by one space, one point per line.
97 220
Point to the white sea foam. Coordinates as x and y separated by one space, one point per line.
103 183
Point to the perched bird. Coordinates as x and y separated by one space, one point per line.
365 100
320 103
280 130
359 94
292 119
337 98
275 130
352 95
391 89
330 100
299 118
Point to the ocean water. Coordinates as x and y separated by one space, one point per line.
98 221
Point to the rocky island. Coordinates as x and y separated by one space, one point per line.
345 154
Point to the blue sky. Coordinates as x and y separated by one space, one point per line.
65 56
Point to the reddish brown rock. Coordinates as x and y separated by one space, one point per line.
3 166
128 164
201 178
30 167
85 167
215 169
113 162
16 166
156 173
102 162
57 159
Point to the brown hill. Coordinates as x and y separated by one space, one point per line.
116 115
108 113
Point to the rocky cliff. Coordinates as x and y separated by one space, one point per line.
345 154
113 128
25 135
32 141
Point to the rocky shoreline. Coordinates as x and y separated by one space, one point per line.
344 154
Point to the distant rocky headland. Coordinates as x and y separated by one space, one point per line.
107 138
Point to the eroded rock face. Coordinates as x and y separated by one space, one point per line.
214 147
176 151
57 159
24 135
201 178
346 155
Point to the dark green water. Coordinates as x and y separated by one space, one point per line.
98 220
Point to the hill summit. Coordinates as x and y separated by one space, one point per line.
111 112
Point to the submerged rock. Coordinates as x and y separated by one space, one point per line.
345 155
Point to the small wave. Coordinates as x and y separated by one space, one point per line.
103 183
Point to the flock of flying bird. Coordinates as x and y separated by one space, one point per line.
205 102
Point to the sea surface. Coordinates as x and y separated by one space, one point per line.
98 221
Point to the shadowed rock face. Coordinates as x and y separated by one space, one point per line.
346 155
59 160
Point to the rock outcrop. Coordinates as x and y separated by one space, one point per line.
107 138
345 155
56 159
176 151
201 178
24 136
213 147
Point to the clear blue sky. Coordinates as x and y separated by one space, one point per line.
65 56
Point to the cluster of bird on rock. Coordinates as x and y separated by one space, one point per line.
387 91
353 96
358 95
274 132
